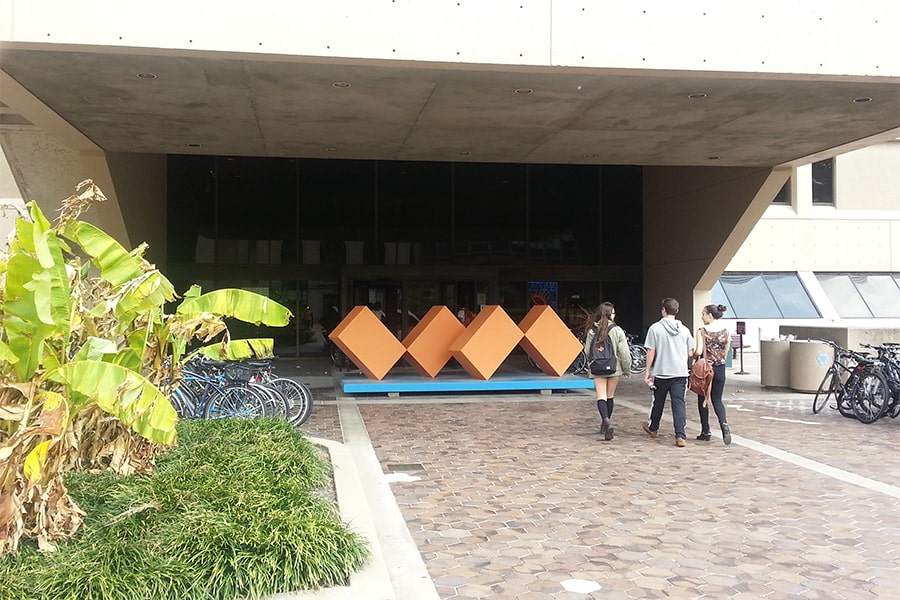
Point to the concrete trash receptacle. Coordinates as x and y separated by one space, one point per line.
810 360
775 363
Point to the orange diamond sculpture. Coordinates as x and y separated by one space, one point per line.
486 342
364 338
428 344
548 341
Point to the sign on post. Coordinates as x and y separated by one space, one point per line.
741 329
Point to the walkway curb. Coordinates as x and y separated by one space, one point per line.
362 492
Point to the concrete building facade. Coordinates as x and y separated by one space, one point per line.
842 247
716 105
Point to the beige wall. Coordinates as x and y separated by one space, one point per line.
860 233
695 219
869 179
792 244
767 35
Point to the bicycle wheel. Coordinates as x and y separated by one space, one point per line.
579 365
638 358
844 397
894 409
234 402
297 396
337 357
827 390
870 397
276 405
182 401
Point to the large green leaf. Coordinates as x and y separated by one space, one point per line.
240 349
240 304
37 295
148 291
129 359
125 394
193 291
95 348
7 355
116 265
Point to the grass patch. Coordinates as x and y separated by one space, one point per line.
230 513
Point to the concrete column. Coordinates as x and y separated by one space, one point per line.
48 158
140 183
695 220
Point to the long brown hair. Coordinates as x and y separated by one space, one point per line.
602 316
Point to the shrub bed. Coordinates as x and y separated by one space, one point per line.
234 511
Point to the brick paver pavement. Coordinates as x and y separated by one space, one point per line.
519 497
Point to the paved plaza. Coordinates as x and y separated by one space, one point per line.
518 496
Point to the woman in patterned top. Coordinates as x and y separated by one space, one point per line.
716 340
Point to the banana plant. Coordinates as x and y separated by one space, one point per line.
81 340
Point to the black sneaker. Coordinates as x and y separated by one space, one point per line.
704 437
610 431
726 433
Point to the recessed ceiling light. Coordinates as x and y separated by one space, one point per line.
341 84
332 149
195 145
464 153
146 75
862 99
697 95
524 91
713 157
592 155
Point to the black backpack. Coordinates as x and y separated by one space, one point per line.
603 354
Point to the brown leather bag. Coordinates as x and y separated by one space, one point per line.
701 376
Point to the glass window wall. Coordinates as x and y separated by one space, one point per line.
250 210
862 295
763 296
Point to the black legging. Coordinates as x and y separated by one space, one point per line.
715 394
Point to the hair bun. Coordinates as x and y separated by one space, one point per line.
722 308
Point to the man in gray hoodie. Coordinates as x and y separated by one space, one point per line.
669 344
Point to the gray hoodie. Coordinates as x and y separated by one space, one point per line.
673 342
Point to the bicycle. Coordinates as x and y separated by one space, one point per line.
296 397
852 379
209 391
340 360
889 355
638 354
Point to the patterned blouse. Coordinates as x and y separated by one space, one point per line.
716 345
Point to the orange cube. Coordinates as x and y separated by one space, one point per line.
486 342
548 341
428 344
367 342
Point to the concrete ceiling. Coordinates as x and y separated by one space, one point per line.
290 107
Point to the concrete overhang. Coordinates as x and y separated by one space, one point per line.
218 103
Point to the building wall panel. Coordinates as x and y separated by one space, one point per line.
828 37
820 245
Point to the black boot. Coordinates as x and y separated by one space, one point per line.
726 433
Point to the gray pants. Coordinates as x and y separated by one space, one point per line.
675 387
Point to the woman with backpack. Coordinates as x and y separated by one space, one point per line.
714 340
606 348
